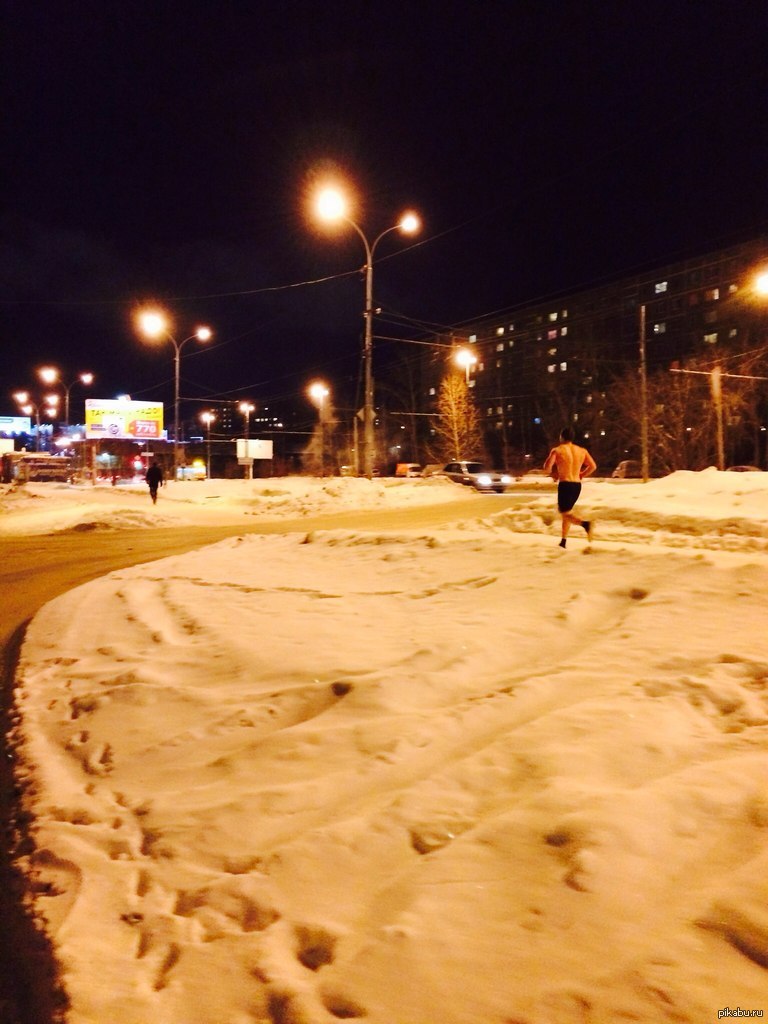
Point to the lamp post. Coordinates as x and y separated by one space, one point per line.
31 408
332 206
50 375
154 325
318 392
208 418
246 408
464 357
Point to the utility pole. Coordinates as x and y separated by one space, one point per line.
644 466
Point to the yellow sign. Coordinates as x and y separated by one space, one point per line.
121 418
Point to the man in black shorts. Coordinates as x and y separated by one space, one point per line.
572 464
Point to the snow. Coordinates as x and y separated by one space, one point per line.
453 775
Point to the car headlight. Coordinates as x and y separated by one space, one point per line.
505 478
483 480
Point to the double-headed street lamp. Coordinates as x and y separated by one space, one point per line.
332 206
318 392
154 325
246 408
49 405
50 375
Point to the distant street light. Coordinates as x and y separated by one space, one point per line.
466 358
208 418
332 206
50 375
153 324
49 407
761 283
318 392
246 408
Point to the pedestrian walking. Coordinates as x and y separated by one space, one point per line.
154 477
570 464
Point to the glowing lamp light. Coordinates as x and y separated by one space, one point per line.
48 375
318 391
152 323
409 223
761 283
203 333
331 204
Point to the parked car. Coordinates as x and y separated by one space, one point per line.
744 469
475 474
626 469
408 469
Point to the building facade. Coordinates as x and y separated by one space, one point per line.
541 366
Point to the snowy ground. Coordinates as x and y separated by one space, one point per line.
447 777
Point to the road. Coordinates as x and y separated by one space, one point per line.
34 570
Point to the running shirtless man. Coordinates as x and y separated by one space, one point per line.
573 464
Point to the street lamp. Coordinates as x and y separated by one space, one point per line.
332 206
246 409
208 418
31 408
318 392
50 375
761 283
464 357
154 325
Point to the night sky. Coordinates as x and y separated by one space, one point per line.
166 151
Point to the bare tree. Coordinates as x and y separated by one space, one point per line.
457 431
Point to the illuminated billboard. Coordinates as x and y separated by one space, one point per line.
122 418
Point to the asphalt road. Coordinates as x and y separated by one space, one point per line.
34 570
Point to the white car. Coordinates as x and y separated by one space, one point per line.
474 474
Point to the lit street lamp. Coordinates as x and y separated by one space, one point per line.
318 392
332 206
154 325
464 357
50 375
246 408
50 407
208 418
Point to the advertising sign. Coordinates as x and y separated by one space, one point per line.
252 448
10 425
122 418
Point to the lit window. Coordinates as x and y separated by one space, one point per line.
732 288
499 364
551 351
710 339
733 332
564 314
472 383
712 294
480 367
551 335
511 327
500 347
499 330
490 410
660 328
563 366
552 367
563 331
433 391
588 399
473 337
552 317
659 287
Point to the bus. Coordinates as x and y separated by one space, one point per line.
37 466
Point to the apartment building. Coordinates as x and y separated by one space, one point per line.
537 367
